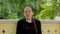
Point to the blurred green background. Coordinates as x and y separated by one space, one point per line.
44 9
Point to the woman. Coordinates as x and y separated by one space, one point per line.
29 25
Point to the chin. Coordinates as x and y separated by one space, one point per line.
27 18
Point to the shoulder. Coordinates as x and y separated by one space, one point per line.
21 21
37 21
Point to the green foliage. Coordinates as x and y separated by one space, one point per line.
13 9
47 14
50 9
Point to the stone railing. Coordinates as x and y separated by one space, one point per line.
47 26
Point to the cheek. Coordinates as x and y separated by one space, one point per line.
24 14
31 15
28 14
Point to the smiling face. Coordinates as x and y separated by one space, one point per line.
28 12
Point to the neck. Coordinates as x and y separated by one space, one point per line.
29 20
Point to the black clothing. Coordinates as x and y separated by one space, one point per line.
23 27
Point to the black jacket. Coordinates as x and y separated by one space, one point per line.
25 28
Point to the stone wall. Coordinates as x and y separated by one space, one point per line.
47 26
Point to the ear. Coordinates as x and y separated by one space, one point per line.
33 13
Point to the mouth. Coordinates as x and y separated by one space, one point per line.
27 15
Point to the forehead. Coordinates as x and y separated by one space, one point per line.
27 8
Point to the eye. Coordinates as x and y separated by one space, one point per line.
25 11
29 11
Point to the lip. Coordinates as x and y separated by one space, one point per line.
27 16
